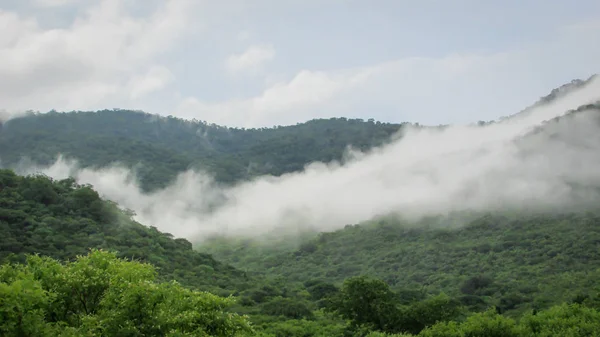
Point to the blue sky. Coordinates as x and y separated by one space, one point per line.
268 62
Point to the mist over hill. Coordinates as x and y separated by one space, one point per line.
538 160
451 220
159 148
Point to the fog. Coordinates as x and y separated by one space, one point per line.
504 165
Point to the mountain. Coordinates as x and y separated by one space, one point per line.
160 148
463 274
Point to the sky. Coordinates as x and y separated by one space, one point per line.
280 62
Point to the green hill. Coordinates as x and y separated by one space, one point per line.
62 219
160 148
514 263
462 276
516 260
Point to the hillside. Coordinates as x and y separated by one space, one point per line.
160 147
62 219
440 276
64 225
516 258
514 264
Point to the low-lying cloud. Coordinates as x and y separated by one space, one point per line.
507 164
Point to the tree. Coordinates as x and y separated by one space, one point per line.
486 324
102 295
563 320
368 302
287 307
440 308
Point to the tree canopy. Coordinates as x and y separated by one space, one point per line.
101 295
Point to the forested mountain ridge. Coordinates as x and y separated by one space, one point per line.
164 147
159 148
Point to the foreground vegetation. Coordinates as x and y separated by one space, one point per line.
102 295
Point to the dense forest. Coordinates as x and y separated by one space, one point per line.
514 263
160 148
75 264
116 291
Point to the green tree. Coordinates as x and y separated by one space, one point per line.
287 307
486 324
440 308
568 320
102 295
368 302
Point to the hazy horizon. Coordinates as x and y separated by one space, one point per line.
6 116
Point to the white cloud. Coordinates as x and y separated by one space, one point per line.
155 79
403 89
106 55
315 94
53 3
281 104
251 59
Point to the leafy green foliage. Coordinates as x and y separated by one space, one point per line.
371 304
514 263
287 307
62 219
101 295
488 324
564 320
320 326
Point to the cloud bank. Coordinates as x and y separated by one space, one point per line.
105 56
509 164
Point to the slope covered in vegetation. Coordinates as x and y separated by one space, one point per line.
516 259
515 264
497 274
101 295
160 148
62 219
